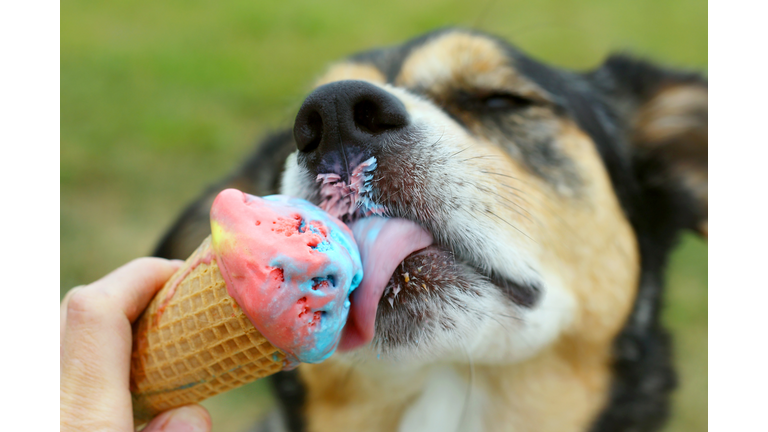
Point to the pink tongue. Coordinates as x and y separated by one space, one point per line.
384 244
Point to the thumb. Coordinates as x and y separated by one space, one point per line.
189 418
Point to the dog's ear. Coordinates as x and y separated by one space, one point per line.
665 118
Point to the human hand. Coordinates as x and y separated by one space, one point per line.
95 348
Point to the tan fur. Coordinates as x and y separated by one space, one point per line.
524 397
464 61
597 244
531 396
351 71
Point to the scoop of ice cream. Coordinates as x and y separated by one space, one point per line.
290 266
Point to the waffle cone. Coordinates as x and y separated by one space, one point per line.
194 342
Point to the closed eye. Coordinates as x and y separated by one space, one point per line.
492 102
506 102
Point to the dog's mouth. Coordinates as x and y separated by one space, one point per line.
406 265
400 257
385 244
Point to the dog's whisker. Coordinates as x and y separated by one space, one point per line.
503 175
478 21
545 207
520 209
457 153
510 224
349 372
488 156
470 386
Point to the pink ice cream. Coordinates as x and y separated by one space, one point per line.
290 266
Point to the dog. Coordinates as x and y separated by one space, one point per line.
553 197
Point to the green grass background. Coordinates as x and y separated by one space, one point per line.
159 98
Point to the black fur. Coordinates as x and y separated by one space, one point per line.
291 393
643 373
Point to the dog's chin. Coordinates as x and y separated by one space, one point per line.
426 312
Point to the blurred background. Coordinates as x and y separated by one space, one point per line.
158 99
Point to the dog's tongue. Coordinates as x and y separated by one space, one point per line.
384 244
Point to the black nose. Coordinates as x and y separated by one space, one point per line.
346 113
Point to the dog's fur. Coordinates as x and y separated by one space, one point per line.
556 197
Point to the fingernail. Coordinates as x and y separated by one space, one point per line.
192 418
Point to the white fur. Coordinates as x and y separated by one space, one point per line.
448 403
509 340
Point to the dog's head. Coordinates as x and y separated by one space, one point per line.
549 194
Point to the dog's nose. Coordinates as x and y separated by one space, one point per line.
346 113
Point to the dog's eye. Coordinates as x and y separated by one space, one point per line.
493 102
505 102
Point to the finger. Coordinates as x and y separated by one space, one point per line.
123 293
63 312
97 330
132 286
191 418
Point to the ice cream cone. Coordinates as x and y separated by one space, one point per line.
194 342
